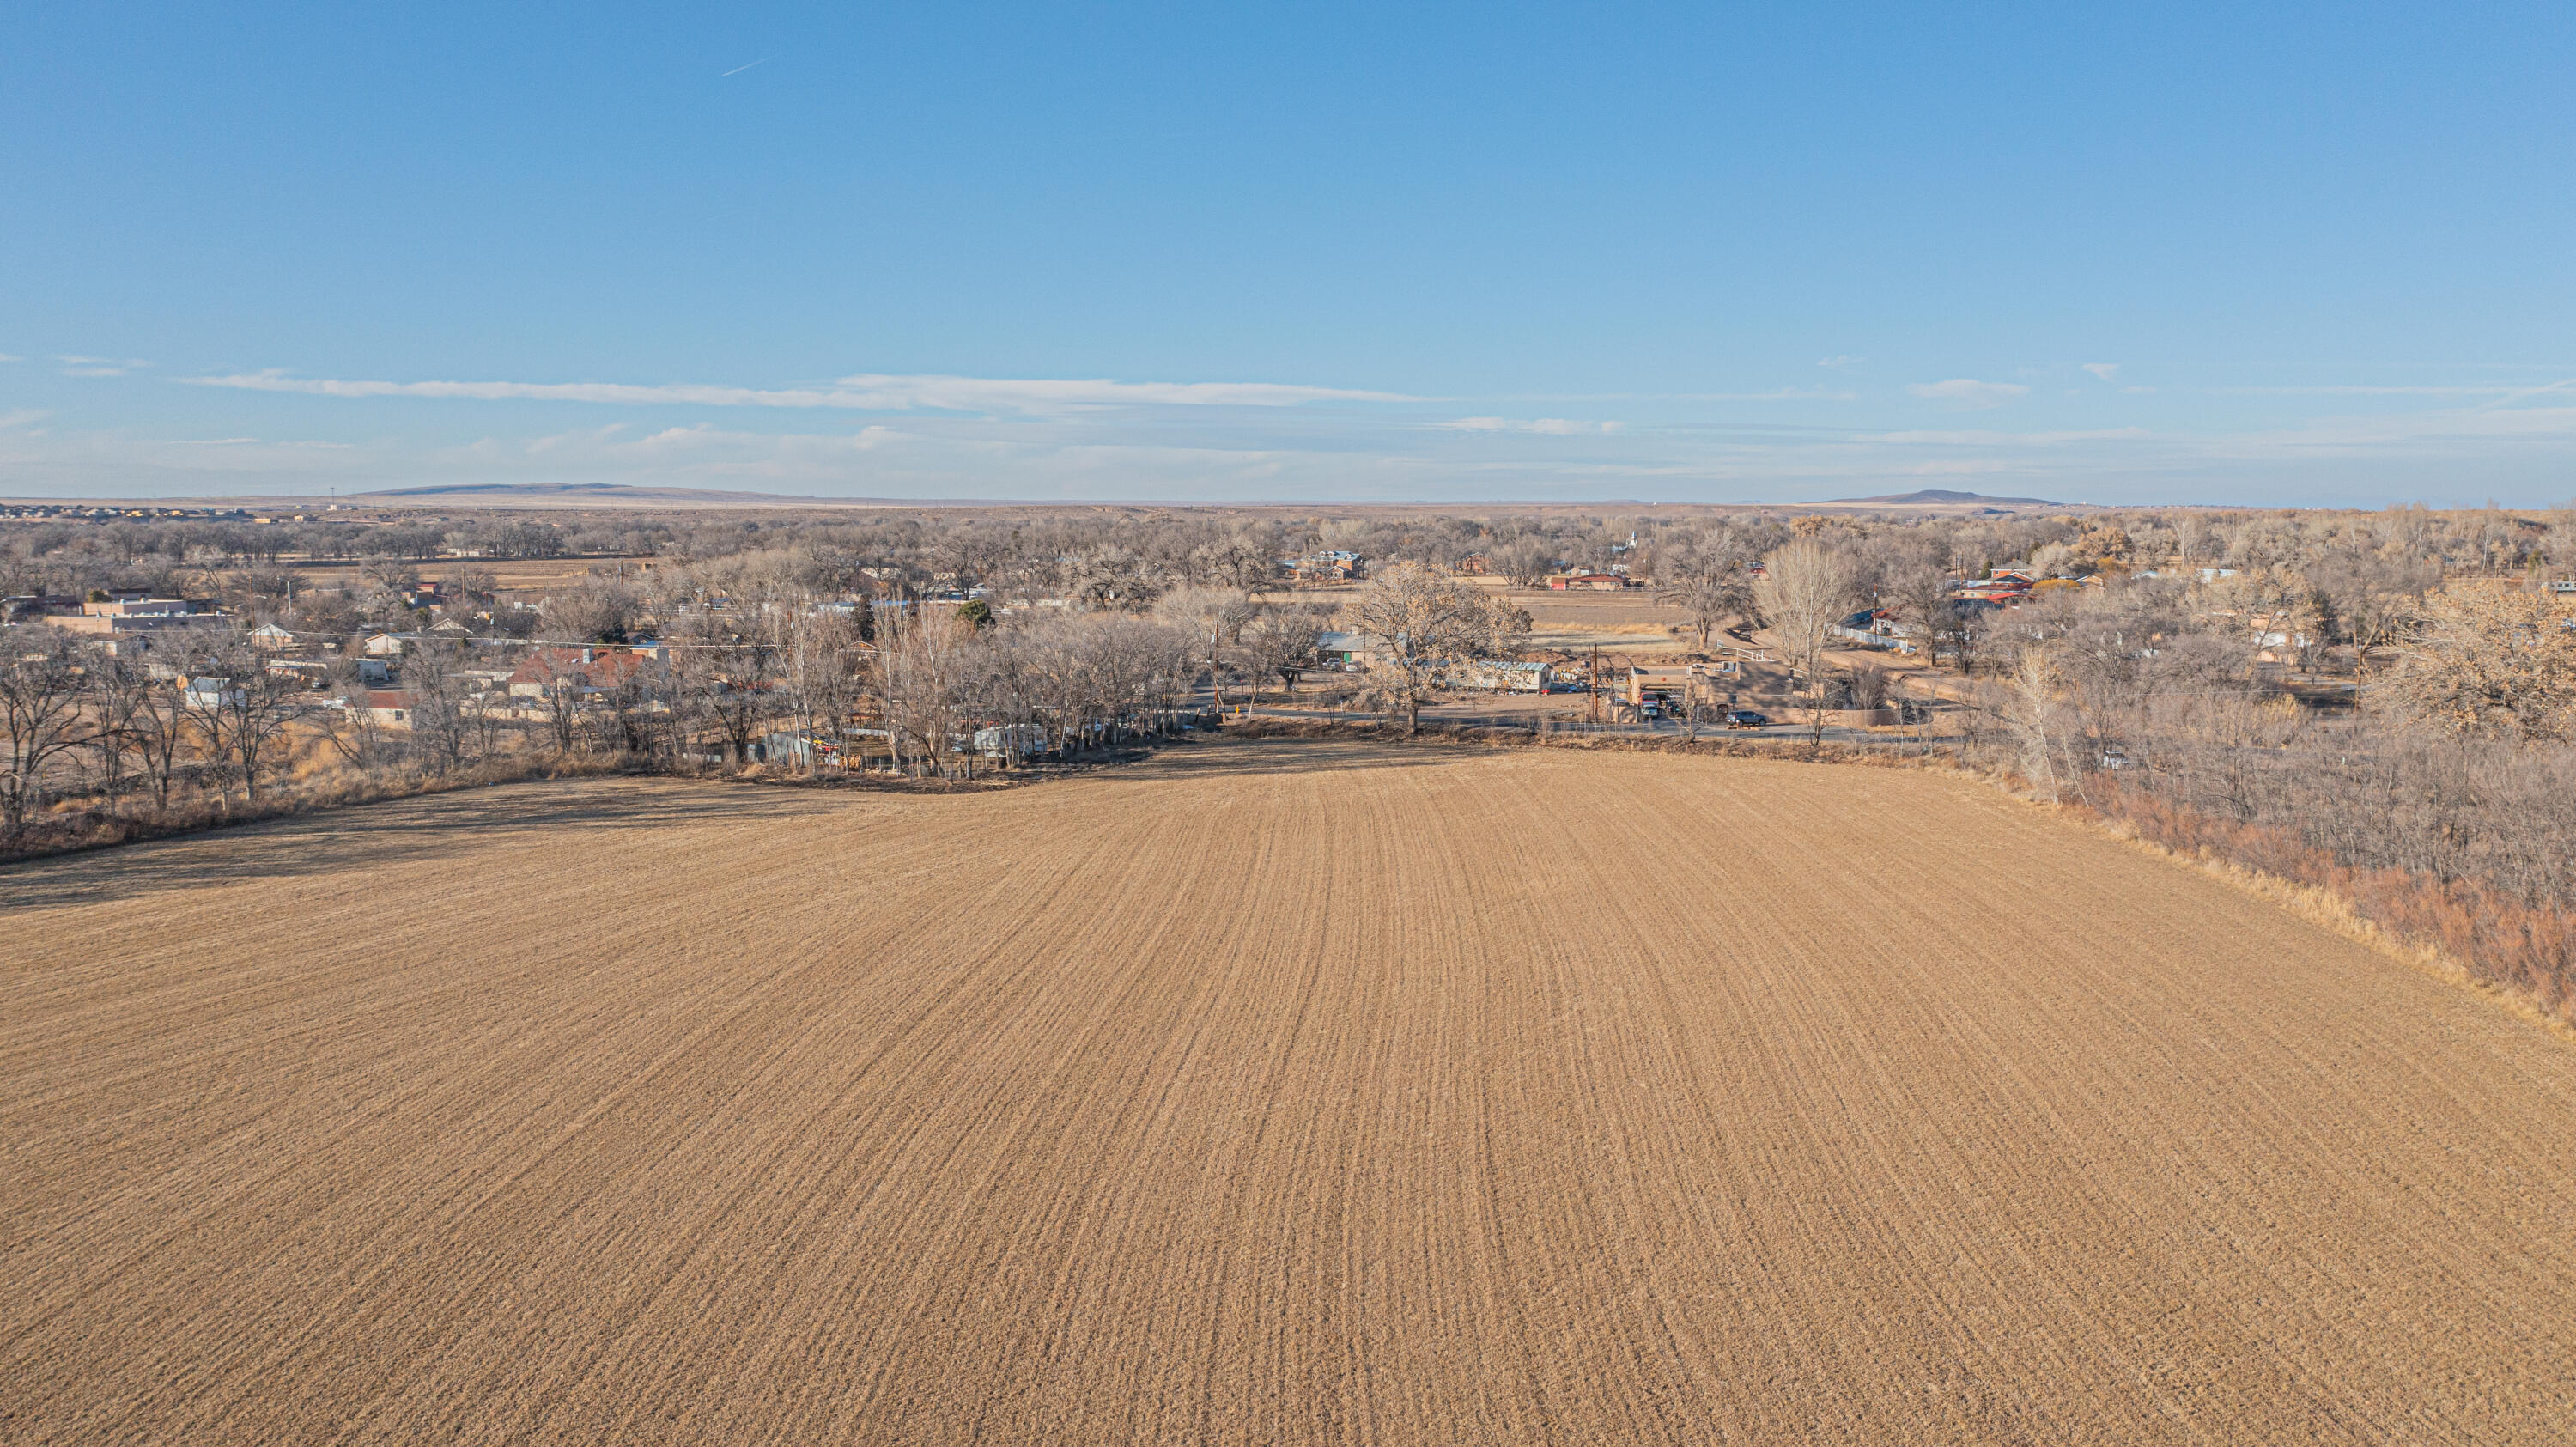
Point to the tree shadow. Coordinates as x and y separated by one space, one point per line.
360 837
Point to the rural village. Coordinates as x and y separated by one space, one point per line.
1814 892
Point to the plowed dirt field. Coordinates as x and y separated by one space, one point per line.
1269 1093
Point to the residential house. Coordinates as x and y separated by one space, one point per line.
207 691
385 707
1874 628
1348 650
584 671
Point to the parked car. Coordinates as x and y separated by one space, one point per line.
1745 718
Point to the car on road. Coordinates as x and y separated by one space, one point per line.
1744 718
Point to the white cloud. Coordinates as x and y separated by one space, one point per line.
1784 394
1968 393
257 442
2377 391
21 417
869 392
2107 371
6 357
98 366
1547 426
2014 439
1841 361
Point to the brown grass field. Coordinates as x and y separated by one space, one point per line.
1283 1092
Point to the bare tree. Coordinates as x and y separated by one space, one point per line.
729 673
352 730
1280 643
2376 598
1919 595
2030 711
819 659
118 688
920 682
40 709
1420 621
1805 589
439 707
2489 659
243 711
1525 561
593 610
1708 581
163 735
1214 619
1868 683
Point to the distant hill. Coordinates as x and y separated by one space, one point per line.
1934 496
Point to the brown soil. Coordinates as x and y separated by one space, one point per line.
1289 1091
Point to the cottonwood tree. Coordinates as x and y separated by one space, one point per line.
2375 597
728 673
352 730
595 610
1420 621
1708 580
440 704
819 660
562 679
243 711
1918 593
1280 643
1805 589
41 688
2031 713
1214 619
2490 660
1525 561
920 683
162 736
117 688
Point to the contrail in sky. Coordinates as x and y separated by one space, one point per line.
739 69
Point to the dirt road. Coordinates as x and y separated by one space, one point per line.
1281 1092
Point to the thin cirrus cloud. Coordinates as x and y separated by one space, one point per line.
1969 393
74 366
868 392
1543 426
2380 391
2107 371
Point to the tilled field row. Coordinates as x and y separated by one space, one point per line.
1292 1091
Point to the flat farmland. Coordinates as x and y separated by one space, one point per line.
1281 1092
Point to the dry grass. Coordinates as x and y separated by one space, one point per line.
1279 1091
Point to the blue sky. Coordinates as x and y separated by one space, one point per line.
2236 254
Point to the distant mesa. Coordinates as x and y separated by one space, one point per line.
1934 496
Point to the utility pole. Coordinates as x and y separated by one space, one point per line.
1595 714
